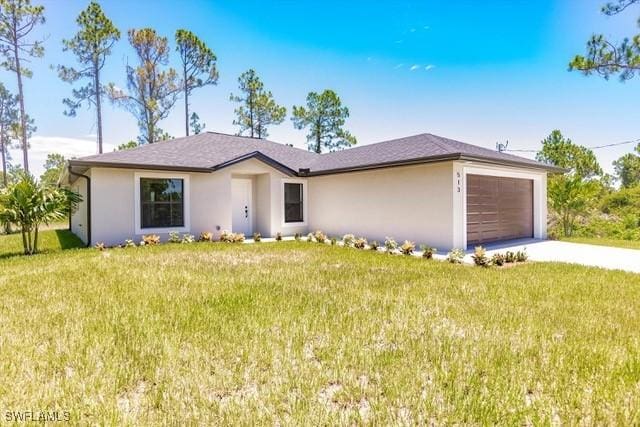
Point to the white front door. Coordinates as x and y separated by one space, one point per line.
241 206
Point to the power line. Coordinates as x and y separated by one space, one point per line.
615 144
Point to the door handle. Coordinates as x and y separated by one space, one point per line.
246 212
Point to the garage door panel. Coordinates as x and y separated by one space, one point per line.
498 208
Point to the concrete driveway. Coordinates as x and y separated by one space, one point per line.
575 253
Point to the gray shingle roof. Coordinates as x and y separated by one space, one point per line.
210 151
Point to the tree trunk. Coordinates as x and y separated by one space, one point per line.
318 143
4 164
186 101
35 240
96 82
25 246
251 113
23 117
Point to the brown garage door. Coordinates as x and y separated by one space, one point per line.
498 209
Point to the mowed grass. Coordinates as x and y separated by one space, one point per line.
618 243
51 240
296 333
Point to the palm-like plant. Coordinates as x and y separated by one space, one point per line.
29 204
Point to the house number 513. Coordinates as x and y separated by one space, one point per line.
458 176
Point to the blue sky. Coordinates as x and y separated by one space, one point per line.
476 71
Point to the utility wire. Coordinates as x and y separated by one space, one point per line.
590 148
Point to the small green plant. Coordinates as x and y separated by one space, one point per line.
521 256
297 237
348 239
188 238
427 251
151 239
334 241
174 237
100 246
390 245
238 237
480 257
257 237
455 256
509 257
360 243
129 243
498 260
278 236
407 247
374 245
206 236
310 237
319 236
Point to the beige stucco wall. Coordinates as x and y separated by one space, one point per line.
410 202
422 203
209 201
79 216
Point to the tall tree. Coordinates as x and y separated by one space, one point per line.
153 91
91 45
257 110
199 66
627 169
18 18
195 124
560 151
8 124
607 58
325 117
53 168
569 197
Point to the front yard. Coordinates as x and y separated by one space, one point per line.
302 333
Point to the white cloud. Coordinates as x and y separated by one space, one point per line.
398 66
429 67
426 27
414 67
41 146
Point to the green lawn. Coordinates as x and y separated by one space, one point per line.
629 244
302 333
49 241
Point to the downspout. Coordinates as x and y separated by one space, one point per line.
79 175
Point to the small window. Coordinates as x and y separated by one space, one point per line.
293 203
162 202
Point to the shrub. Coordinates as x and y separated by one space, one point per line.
334 241
257 237
509 257
228 237
297 236
174 237
498 259
151 239
521 256
348 239
390 245
188 238
374 245
278 236
428 251
100 246
407 247
129 243
455 256
480 257
319 236
360 243
206 236
310 237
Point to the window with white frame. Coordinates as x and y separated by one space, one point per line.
293 202
161 202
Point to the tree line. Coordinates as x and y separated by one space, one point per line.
153 87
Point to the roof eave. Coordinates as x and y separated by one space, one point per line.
258 156
122 165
